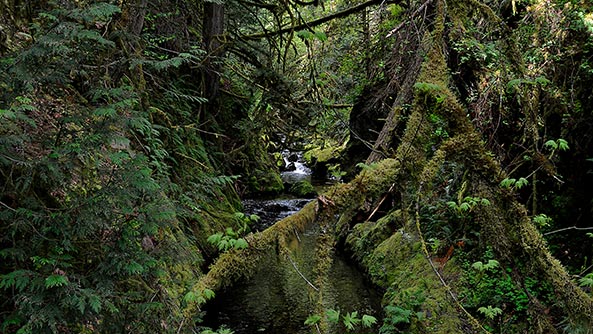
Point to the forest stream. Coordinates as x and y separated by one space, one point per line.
278 298
165 167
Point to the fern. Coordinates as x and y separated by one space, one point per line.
312 320
18 279
490 312
333 316
368 320
55 281
351 320
542 220
586 281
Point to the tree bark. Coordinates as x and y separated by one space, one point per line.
213 39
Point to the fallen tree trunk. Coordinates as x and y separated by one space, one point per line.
385 213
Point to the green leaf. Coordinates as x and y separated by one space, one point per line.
208 294
55 280
305 35
312 320
492 264
464 207
562 144
5 113
105 112
490 312
521 182
95 303
427 87
587 280
215 238
241 244
368 320
190 297
397 315
514 83
102 11
224 245
333 316
542 81
507 183
9 322
134 268
551 144
230 232
81 305
350 320
93 36
18 279
479 265
542 220
320 35
452 205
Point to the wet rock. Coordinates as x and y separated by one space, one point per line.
291 167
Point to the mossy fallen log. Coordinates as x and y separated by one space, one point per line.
424 170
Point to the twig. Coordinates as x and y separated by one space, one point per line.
570 228
8 207
436 271
297 234
416 12
314 23
380 202
180 326
303 276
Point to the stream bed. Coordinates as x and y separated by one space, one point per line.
277 299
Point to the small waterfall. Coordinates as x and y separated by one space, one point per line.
295 169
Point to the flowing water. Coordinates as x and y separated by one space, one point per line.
277 299
296 168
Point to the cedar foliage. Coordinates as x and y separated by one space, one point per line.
109 191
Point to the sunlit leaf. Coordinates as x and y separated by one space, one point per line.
56 281
312 320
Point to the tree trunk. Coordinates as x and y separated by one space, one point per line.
213 37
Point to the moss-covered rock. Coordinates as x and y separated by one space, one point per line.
303 189
265 182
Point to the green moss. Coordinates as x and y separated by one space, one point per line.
265 182
303 189
365 237
324 154
398 265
